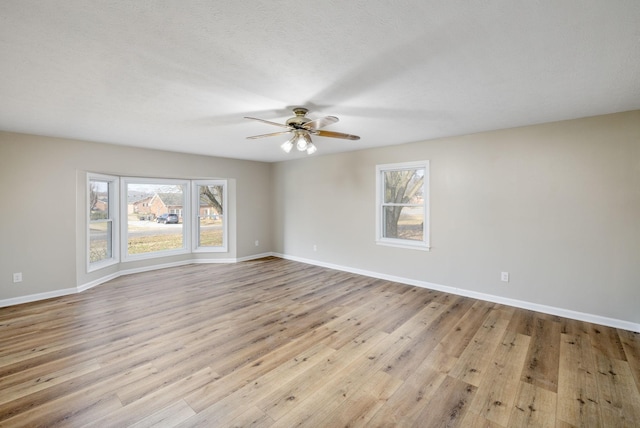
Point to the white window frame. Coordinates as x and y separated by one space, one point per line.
113 216
195 208
186 218
380 205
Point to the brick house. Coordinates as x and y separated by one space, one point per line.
167 203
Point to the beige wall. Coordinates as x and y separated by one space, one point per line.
43 219
556 205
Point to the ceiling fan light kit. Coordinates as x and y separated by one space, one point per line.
288 145
302 128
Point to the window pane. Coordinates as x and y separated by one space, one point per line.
100 241
404 223
403 205
403 186
99 199
211 218
154 217
100 230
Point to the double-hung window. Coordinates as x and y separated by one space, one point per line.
209 208
102 242
402 200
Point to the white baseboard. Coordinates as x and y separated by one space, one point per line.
552 310
83 287
35 297
254 257
88 285
169 265
566 313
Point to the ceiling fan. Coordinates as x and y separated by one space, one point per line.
302 129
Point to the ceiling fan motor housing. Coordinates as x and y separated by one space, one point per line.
299 118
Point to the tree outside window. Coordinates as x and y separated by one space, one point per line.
211 226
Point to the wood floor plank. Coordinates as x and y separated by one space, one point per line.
36 351
396 354
618 395
577 383
439 360
33 384
222 411
523 322
287 398
494 399
81 407
606 341
72 397
169 416
346 392
273 342
156 401
410 398
448 407
534 407
631 345
475 359
253 417
459 337
353 402
543 358
472 420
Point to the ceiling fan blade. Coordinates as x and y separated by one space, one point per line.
336 135
269 122
320 123
273 134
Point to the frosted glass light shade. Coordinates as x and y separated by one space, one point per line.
302 143
311 148
287 146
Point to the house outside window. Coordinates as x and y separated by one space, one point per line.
402 200
102 221
145 230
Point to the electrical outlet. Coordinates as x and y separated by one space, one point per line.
315 247
504 276
257 242
17 277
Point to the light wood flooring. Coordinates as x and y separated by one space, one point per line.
278 343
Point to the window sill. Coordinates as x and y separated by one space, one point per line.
422 246
154 255
101 265
210 250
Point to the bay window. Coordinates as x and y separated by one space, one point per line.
137 218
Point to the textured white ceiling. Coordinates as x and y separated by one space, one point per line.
180 75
